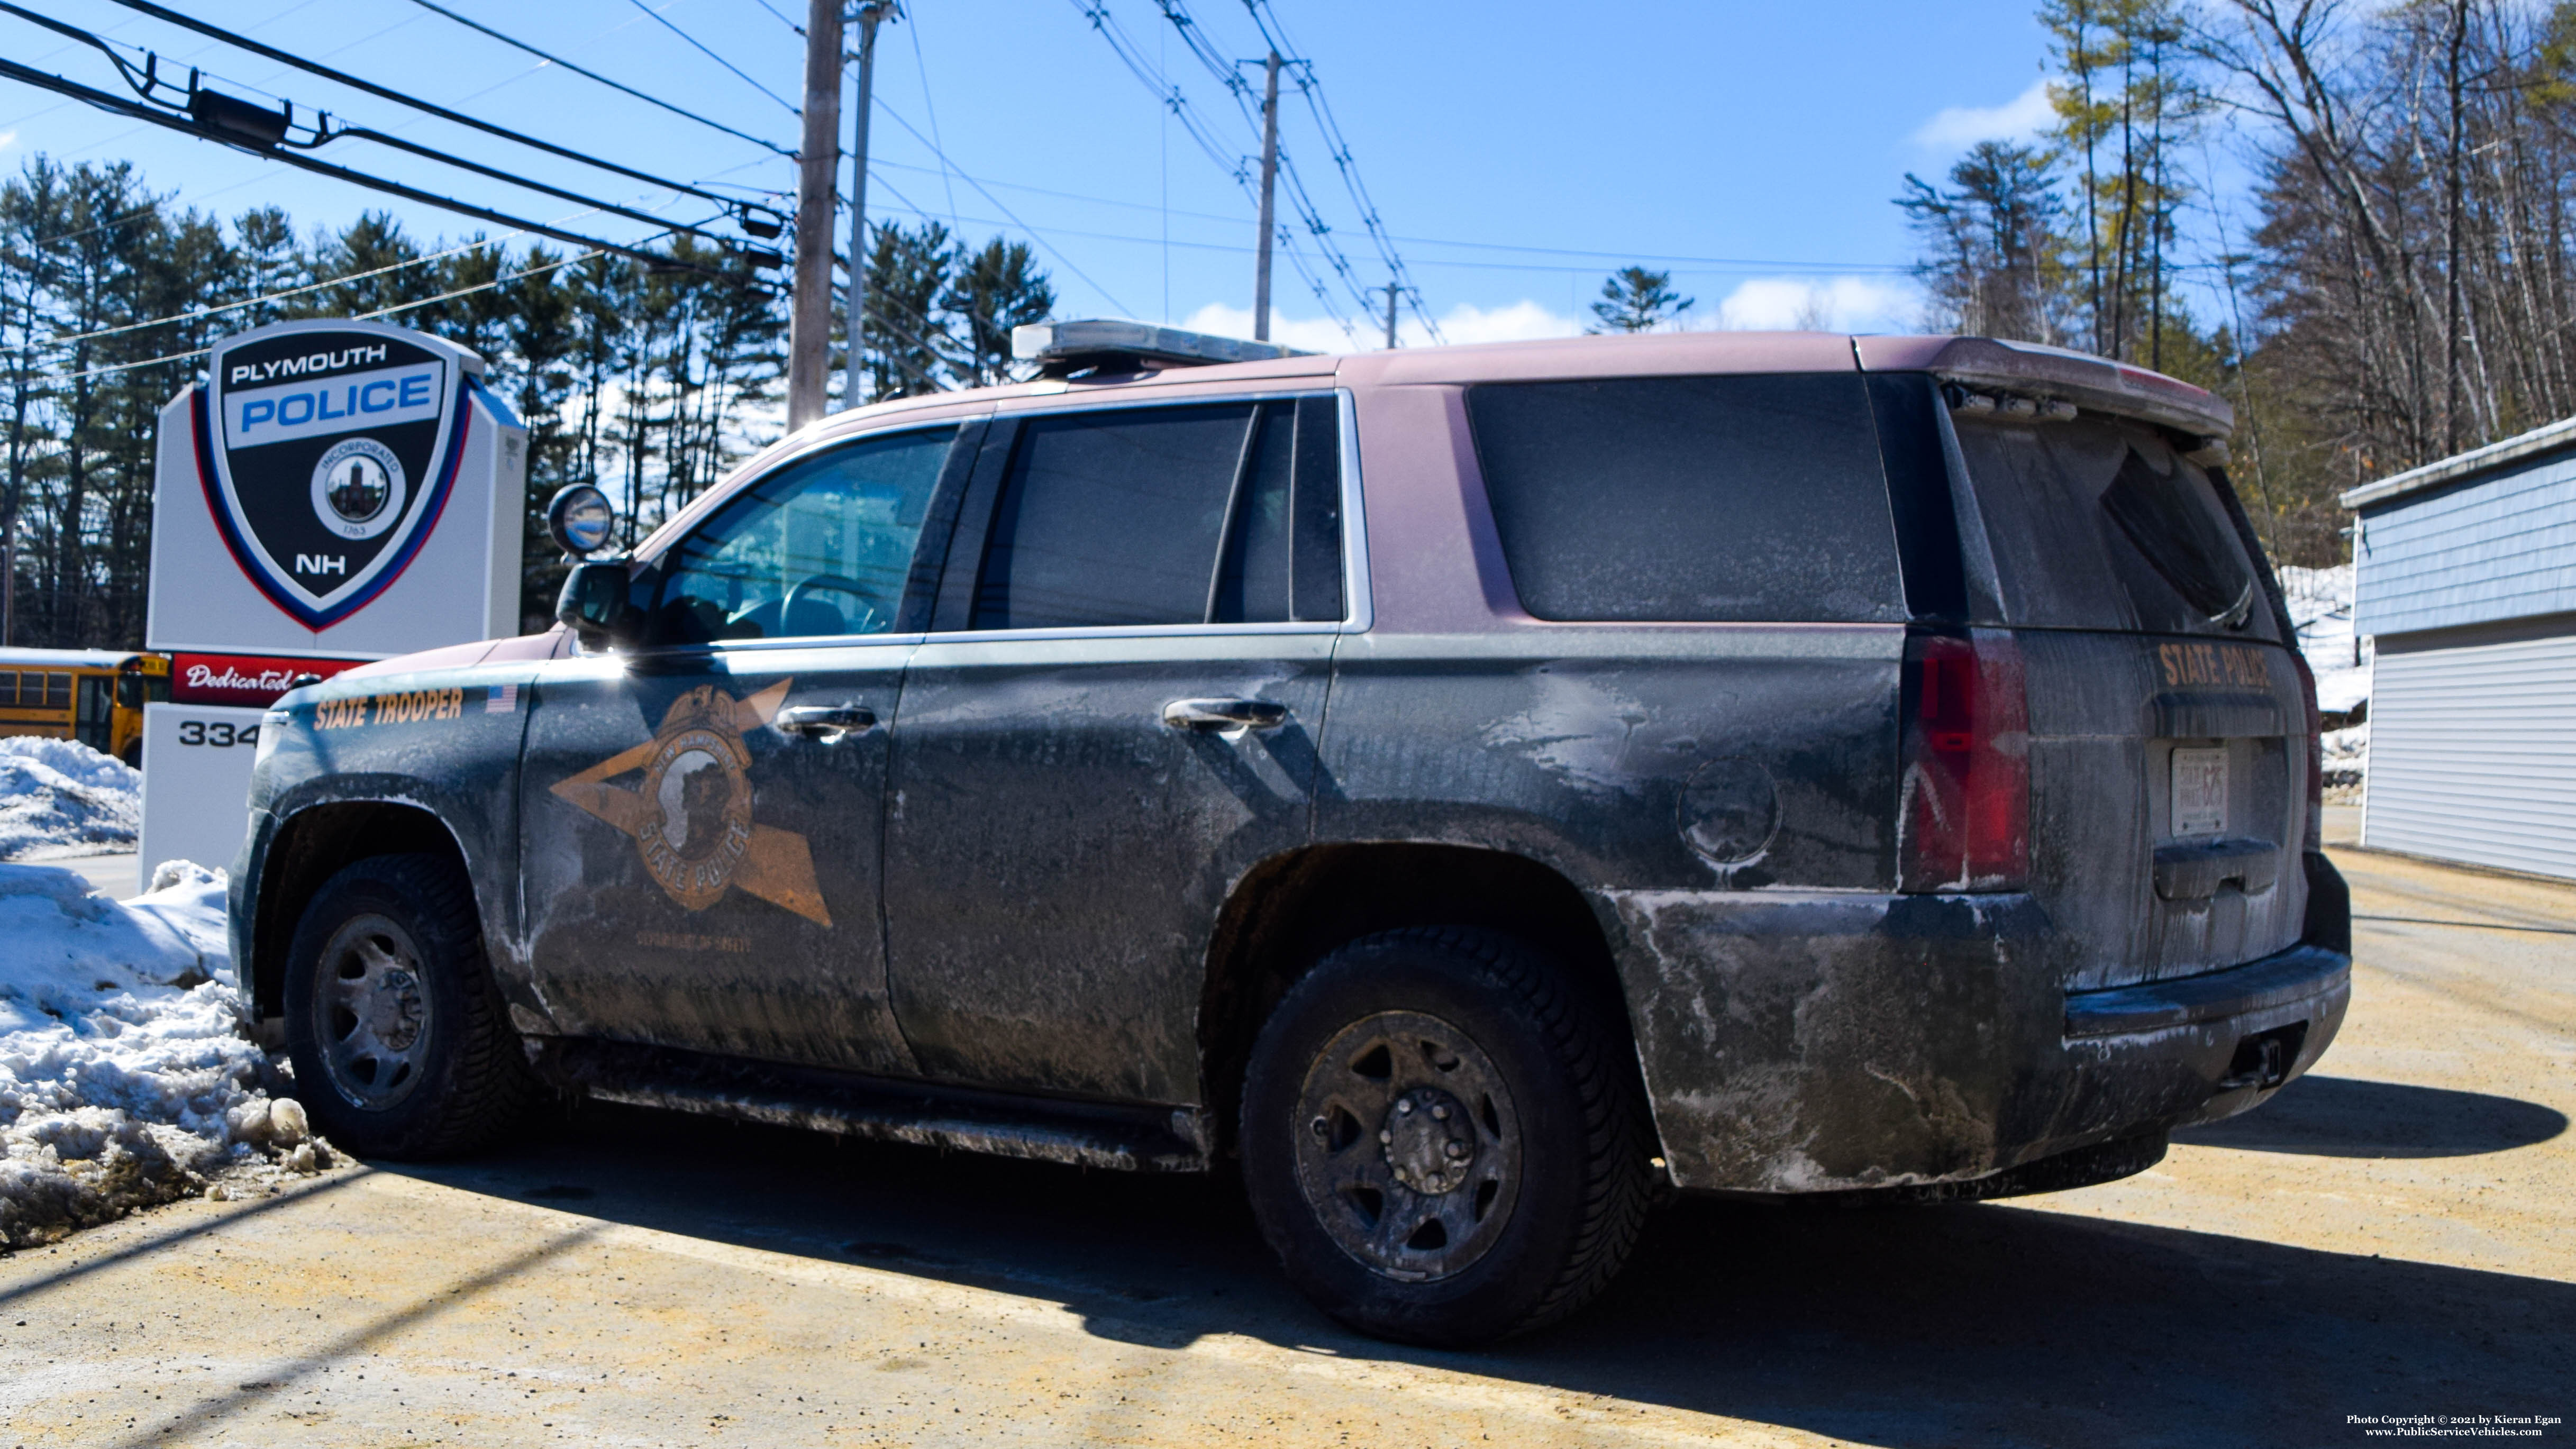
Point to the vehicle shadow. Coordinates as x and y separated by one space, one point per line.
1986 1324
2348 1117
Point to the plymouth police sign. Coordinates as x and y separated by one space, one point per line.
328 451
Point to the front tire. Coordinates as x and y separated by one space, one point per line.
1441 1139
400 1044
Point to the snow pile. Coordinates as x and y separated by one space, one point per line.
60 797
124 1077
2346 757
2321 607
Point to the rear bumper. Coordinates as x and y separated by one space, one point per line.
2178 1052
2262 988
1837 1042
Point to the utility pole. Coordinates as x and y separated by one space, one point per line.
1269 183
1391 289
853 389
809 320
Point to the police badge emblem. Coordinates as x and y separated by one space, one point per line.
327 450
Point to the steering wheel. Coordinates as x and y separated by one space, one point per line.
866 623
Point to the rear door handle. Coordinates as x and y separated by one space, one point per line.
827 722
1207 715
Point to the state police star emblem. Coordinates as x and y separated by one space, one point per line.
327 450
691 817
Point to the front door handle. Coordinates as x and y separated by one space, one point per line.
827 722
1207 715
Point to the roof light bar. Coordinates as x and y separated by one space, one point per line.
1060 348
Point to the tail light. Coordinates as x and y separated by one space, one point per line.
2316 753
1966 790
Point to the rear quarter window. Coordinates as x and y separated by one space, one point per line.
2100 524
1686 499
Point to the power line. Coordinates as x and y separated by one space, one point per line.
782 17
1170 95
665 23
516 43
148 84
477 244
136 110
1267 22
1229 76
385 92
1717 266
1730 264
948 187
420 261
1034 234
361 317
268 132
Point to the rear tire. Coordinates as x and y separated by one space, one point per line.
1441 1138
400 1042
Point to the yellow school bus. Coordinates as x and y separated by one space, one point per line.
95 696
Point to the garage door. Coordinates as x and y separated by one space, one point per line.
2473 746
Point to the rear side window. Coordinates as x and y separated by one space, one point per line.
1223 514
2099 524
1691 498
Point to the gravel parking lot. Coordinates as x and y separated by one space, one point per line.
2394 1236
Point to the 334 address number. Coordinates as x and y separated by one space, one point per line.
217 733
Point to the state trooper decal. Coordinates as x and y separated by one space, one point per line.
327 451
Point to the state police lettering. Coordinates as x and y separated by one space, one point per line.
2221 666
327 454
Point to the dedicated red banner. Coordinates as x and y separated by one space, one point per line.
249 680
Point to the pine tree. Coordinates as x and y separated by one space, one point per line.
992 292
1637 300
907 342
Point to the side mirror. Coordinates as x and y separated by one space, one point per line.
595 604
580 520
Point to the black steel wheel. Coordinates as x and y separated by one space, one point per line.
370 1011
1442 1140
400 1043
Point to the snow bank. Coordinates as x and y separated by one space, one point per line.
125 1079
2321 606
60 797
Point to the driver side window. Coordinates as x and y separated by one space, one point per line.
821 547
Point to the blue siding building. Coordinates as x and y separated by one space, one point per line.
2466 579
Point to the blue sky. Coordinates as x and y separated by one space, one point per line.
1518 151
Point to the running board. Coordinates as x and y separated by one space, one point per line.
926 1114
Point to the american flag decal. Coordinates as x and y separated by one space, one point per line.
501 699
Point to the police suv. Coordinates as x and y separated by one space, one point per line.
1468 791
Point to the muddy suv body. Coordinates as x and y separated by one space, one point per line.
1835 765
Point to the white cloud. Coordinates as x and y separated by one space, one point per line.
1517 322
1310 334
1824 304
1763 304
8 139
1956 128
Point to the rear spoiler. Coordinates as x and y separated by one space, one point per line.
2029 371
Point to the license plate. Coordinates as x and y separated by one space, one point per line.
2200 791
